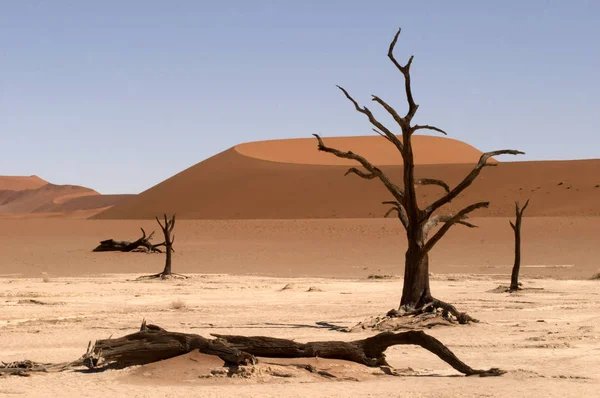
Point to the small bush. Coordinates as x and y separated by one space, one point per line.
178 304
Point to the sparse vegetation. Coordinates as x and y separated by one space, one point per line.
178 304
379 276
314 289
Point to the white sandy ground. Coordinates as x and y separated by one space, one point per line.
547 340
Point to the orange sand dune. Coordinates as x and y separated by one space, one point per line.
427 150
31 200
85 202
21 197
231 185
19 183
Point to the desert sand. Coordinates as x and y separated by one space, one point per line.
557 247
546 340
261 216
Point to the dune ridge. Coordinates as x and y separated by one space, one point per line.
427 150
19 183
231 185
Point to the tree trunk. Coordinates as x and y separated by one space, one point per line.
416 277
167 270
514 278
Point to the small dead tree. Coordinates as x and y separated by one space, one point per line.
111 245
514 279
418 222
167 229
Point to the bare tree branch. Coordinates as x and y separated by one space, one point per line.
435 220
397 206
391 111
362 174
427 127
432 181
381 134
457 218
365 111
412 107
376 172
468 180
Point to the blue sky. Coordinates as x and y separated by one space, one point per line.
120 95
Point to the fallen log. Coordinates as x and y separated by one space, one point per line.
111 245
153 343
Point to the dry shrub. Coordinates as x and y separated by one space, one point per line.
178 304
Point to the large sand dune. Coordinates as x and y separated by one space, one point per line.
234 185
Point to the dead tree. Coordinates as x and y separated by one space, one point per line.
153 343
514 278
111 245
418 222
167 229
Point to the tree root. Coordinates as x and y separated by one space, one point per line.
431 306
448 309
163 276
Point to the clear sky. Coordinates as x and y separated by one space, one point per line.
120 95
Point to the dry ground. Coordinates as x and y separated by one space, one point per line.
557 247
547 340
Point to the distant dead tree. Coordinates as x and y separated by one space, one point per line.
514 279
167 229
418 222
111 245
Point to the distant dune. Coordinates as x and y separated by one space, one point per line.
19 183
87 202
234 185
30 200
34 195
